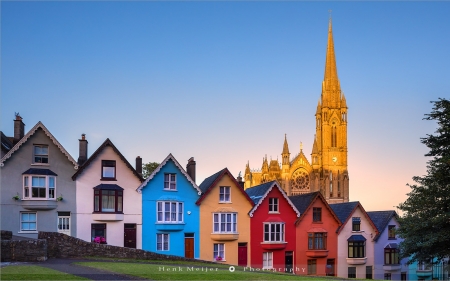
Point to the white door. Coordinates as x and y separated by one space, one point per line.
64 223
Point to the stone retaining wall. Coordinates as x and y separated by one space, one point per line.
63 246
24 250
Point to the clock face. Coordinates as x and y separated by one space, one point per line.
334 159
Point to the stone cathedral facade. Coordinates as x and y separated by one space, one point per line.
327 170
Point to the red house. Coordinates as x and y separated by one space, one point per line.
272 228
316 237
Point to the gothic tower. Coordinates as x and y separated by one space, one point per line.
329 155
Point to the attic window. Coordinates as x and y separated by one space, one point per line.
40 154
108 170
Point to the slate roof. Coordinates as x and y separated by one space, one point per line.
7 143
94 155
344 210
259 192
108 186
210 182
302 201
381 219
34 171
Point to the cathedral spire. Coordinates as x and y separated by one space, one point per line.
331 87
285 146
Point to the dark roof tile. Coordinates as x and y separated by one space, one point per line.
34 171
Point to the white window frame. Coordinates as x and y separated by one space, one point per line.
223 192
267 260
175 216
165 239
27 187
22 230
63 224
169 182
218 250
224 220
273 205
280 233
40 155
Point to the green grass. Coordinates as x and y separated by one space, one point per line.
34 272
189 272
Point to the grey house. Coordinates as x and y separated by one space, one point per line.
37 190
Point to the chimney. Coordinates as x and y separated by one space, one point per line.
139 165
239 180
83 150
190 168
19 129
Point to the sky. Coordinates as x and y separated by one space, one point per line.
223 82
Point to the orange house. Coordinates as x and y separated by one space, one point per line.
316 237
224 220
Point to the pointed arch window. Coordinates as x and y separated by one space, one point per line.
333 134
331 184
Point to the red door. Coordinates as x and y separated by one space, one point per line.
242 254
189 247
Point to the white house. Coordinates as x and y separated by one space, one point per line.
108 205
356 254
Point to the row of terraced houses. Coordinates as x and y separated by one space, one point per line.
103 198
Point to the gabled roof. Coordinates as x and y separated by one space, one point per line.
345 210
207 185
33 130
106 143
7 143
381 220
163 163
259 193
304 202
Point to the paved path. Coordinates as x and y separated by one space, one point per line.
68 266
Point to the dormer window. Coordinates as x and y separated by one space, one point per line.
273 205
40 154
317 214
108 170
356 224
391 232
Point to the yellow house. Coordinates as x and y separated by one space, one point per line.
224 220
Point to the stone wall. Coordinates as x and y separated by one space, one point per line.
6 235
63 246
24 250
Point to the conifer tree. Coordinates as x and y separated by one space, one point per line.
425 225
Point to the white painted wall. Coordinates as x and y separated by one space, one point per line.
132 203
369 232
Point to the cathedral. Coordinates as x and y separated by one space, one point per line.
326 171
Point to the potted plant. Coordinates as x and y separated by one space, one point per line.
16 197
60 198
218 258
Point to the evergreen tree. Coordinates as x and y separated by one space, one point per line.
425 225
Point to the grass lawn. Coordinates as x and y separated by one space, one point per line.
186 272
34 272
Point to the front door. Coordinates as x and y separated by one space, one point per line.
189 245
129 235
330 267
288 262
242 254
64 222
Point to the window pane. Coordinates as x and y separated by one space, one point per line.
119 203
167 211
51 182
180 212
108 172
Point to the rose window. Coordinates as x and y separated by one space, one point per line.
300 179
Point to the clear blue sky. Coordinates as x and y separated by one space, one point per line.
224 81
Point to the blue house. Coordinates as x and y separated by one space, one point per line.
170 217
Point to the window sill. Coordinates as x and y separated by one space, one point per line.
40 164
273 245
392 238
27 232
169 226
225 202
227 236
274 212
108 179
356 260
39 204
172 190
317 253
318 222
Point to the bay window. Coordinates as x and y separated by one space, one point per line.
225 223
39 186
108 198
273 232
169 212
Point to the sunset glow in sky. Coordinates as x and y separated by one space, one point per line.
225 81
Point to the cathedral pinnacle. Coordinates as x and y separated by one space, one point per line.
331 87
285 146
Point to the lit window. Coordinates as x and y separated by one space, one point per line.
273 205
170 181
224 195
108 170
162 242
40 154
267 260
317 241
391 232
274 232
391 256
170 212
219 252
28 222
225 223
356 249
